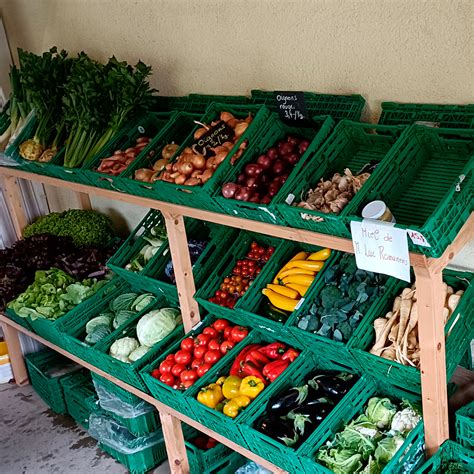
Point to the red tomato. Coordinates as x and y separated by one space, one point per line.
187 384
226 346
227 332
199 352
177 369
202 369
187 344
238 333
220 324
202 340
210 331
170 357
211 357
211 443
196 363
156 373
214 345
200 442
188 376
167 379
183 357
165 367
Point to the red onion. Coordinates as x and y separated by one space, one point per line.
303 146
266 199
264 161
292 158
253 170
273 153
278 167
229 190
243 194
241 178
286 149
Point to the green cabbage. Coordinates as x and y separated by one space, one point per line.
142 301
98 333
342 461
104 319
380 411
122 317
154 326
138 353
124 301
387 448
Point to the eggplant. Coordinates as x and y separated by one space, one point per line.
333 386
278 428
291 399
314 412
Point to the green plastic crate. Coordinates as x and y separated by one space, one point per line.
196 103
465 426
23 322
129 373
78 390
217 421
278 453
449 452
49 389
459 328
250 304
236 251
200 461
427 182
273 130
338 106
149 124
175 398
140 425
447 116
351 145
73 330
119 392
228 465
407 458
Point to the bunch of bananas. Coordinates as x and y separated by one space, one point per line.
293 280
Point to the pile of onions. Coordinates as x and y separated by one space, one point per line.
261 179
120 160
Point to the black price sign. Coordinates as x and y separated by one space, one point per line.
215 136
291 106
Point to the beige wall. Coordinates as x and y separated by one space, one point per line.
402 50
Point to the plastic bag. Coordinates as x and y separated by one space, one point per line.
110 402
110 432
6 160
252 468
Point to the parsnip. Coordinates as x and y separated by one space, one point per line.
382 333
412 322
453 301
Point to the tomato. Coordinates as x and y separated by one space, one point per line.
167 379
200 442
202 369
155 373
170 357
199 352
177 369
226 346
220 324
187 344
202 340
211 443
238 333
188 376
214 345
227 332
183 357
165 367
196 363
211 357
211 332
187 384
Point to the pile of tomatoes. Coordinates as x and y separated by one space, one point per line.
244 272
198 354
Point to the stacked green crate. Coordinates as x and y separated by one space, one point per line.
450 457
465 426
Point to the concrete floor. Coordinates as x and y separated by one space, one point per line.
34 440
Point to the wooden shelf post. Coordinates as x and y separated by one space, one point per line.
174 441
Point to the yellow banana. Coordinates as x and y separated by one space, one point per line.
320 255
301 289
281 302
304 280
284 291
312 265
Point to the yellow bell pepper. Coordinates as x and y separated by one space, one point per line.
211 395
234 406
251 386
231 386
220 381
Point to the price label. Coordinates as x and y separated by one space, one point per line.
215 136
418 238
291 106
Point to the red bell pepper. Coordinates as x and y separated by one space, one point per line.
248 369
272 370
236 366
290 355
257 358
274 350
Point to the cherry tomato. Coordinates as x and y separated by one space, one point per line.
165 367
210 331
167 379
237 271
226 346
196 363
220 324
187 344
211 357
177 369
183 357
227 332
238 333
254 245
188 376
156 373
200 351
202 369
214 345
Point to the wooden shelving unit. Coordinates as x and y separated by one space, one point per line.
428 273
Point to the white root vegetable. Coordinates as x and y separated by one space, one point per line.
453 301
412 322
382 334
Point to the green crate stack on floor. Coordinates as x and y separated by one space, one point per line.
450 457
465 426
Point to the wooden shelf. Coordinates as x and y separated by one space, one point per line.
428 273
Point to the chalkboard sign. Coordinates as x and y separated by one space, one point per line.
215 136
291 107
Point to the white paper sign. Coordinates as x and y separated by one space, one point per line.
418 238
381 248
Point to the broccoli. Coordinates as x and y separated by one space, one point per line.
85 227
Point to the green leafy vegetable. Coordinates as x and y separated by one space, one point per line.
342 461
142 301
387 448
154 326
123 302
122 317
380 411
